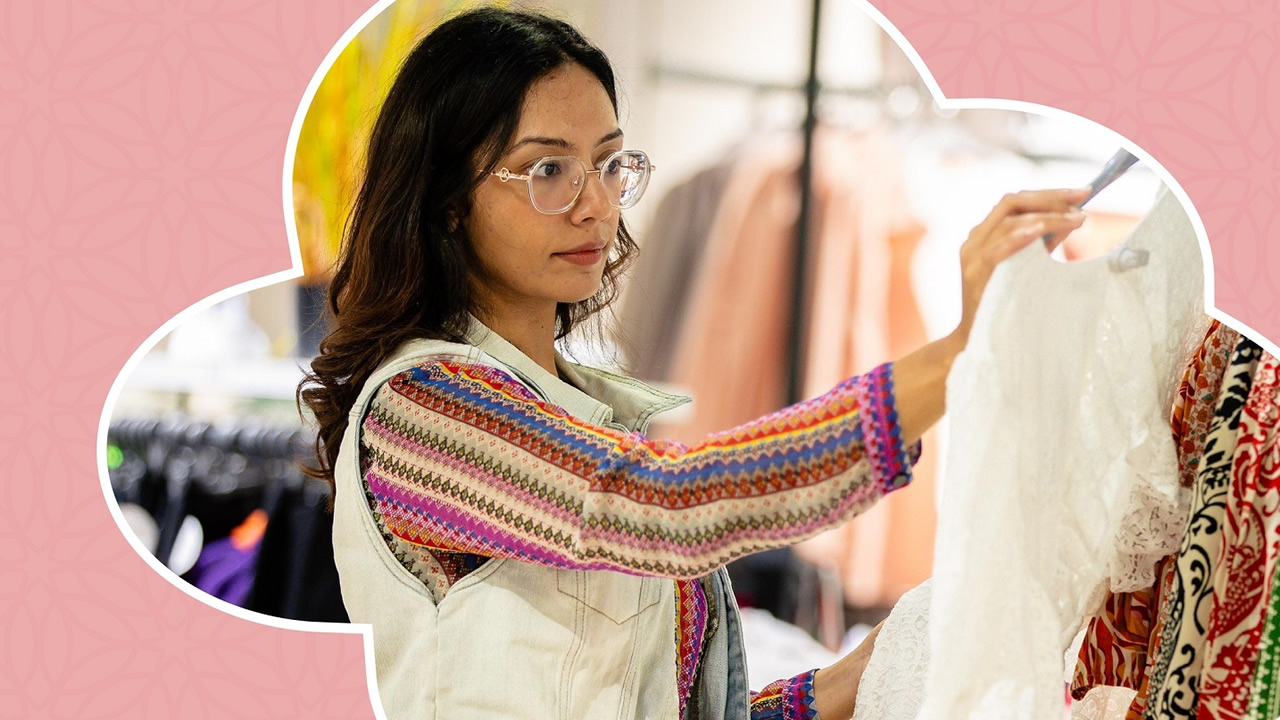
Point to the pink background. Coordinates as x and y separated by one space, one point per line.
140 171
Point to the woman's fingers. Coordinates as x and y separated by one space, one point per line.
1014 233
1017 231
1031 201
1056 239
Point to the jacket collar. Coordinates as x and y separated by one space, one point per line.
599 397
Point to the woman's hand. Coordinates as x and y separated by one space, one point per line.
1016 221
835 688
920 378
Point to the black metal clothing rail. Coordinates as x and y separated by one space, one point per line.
800 269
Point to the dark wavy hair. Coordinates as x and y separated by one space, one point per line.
402 271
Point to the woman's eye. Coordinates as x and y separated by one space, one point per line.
549 169
613 167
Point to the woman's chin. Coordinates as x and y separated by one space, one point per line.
577 295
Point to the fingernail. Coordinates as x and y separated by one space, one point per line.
1075 216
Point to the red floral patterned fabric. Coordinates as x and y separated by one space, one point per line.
1251 545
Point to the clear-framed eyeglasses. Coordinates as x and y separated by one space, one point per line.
556 182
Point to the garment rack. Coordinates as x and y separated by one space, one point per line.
811 87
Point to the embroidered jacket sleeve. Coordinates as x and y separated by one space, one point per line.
790 699
464 458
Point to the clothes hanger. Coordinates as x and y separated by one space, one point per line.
1124 257
1115 167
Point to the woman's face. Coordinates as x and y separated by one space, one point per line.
528 260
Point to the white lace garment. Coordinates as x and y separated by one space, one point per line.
892 685
1061 473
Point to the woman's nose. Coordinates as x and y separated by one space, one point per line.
593 202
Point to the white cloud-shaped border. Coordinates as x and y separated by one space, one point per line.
295 271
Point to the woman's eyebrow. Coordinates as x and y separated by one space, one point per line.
611 136
557 142
560 142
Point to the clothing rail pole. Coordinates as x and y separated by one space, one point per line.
800 285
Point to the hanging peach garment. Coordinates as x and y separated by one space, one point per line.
732 347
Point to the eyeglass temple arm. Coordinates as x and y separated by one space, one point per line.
505 175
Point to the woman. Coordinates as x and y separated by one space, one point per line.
518 545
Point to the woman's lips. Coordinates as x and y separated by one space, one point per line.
582 257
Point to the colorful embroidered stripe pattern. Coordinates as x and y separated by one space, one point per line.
691 627
786 699
464 458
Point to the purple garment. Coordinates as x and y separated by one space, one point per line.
225 571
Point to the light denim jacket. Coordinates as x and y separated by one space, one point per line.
514 639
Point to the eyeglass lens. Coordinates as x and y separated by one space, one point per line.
556 182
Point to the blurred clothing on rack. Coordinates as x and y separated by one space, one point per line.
266 527
225 568
296 576
670 255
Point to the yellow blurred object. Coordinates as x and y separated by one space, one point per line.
335 131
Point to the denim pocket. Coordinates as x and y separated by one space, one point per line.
615 595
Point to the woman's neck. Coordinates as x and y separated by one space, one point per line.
532 333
